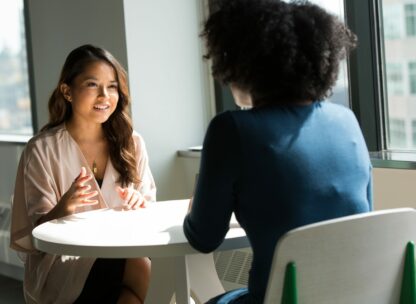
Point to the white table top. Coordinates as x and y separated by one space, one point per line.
155 231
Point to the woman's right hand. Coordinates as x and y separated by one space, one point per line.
78 194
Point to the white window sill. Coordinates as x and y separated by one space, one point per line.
18 139
394 159
191 152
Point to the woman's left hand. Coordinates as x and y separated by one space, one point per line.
133 199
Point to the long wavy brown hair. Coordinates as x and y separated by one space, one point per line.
118 128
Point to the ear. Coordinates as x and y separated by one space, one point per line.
66 91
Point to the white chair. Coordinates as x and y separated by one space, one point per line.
350 260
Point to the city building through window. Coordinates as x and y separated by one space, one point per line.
400 67
15 103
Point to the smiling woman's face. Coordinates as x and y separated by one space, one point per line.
93 93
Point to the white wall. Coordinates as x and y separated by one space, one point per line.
59 26
168 85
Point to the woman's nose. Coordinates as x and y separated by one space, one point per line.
103 92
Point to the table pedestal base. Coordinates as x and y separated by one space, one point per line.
179 277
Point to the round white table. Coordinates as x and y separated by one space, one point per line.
155 232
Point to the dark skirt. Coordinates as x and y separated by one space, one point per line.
104 283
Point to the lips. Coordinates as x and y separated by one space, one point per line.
101 107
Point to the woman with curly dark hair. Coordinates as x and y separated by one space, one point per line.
87 157
290 160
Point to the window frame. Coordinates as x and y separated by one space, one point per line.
30 68
366 69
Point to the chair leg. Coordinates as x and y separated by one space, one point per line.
408 289
290 291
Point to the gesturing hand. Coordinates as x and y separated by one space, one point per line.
133 199
78 194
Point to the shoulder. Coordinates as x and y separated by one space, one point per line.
340 118
335 109
41 145
138 140
47 138
223 122
222 131
335 112
137 137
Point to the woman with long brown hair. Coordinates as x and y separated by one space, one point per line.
86 157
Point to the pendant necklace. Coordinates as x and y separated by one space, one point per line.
94 168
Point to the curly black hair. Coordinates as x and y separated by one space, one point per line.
278 52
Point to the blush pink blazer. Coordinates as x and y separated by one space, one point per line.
48 166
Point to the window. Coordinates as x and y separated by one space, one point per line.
15 106
395 84
400 74
397 133
393 21
412 77
410 12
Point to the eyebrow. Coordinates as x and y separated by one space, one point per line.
94 78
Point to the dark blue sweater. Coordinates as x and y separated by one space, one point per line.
277 168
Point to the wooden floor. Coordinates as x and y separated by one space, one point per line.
11 291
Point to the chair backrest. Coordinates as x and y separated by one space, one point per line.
349 260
